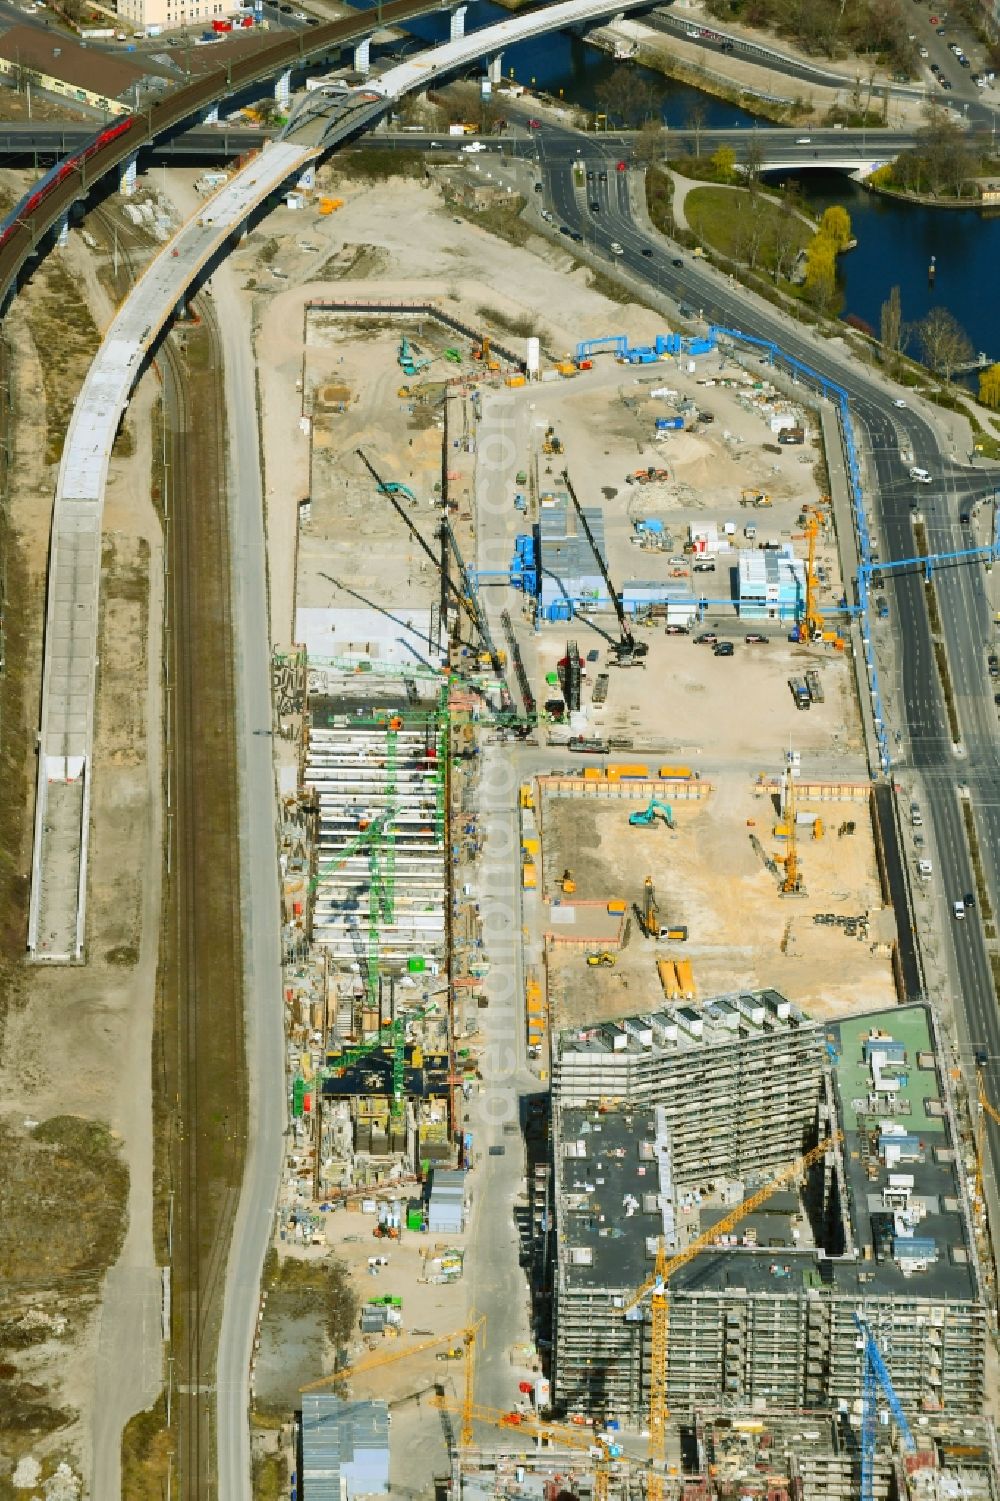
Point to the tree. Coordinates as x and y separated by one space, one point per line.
989 387
753 161
943 341
614 94
821 272
786 236
836 226
891 329
650 143
724 162
627 98
696 118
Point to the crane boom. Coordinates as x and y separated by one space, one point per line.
656 1285
876 1374
599 1448
388 1357
985 1109
728 1222
628 647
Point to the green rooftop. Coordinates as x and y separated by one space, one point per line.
904 1024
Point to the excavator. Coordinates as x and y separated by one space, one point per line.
647 816
628 652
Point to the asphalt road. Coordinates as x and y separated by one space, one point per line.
24 137
888 435
260 901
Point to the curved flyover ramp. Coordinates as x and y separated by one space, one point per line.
57 913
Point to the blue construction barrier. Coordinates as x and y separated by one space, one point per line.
838 395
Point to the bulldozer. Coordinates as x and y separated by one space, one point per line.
602 959
567 883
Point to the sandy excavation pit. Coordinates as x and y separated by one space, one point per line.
742 933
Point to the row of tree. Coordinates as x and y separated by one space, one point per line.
941 164
831 27
939 338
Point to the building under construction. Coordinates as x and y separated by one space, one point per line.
665 1124
377 775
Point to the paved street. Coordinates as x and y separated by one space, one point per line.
925 747
259 899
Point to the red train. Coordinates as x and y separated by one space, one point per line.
58 174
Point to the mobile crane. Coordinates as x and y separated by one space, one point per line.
791 883
811 626
628 652
655 1287
649 917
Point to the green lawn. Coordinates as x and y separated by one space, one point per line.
744 227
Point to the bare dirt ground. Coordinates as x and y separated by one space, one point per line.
296 1347
78 1040
394 239
742 934
353 533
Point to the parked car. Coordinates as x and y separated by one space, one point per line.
707 638
754 638
723 649
676 630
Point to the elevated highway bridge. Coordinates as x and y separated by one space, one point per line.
778 147
57 910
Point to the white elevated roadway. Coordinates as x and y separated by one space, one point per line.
490 41
57 914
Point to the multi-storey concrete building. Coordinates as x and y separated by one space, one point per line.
766 1313
713 1068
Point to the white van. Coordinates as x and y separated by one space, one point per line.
921 476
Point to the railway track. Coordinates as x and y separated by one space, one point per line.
200 1010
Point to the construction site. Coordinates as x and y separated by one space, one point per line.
669 942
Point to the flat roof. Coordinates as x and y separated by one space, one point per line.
691 1026
608 1182
60 57
905 1226
565 551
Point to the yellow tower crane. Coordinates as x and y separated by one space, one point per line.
655 1286
467 1336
